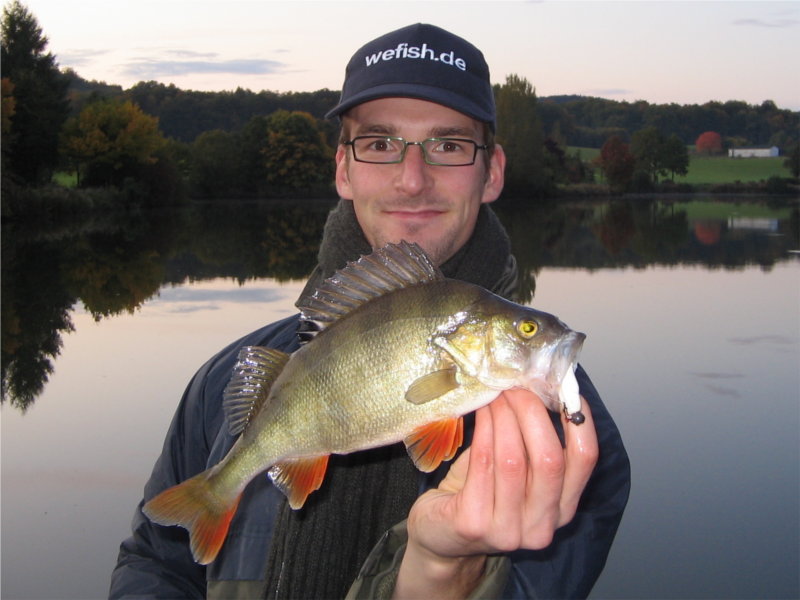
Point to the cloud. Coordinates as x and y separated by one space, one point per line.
79 57
773 23
155 68
191 54
776 339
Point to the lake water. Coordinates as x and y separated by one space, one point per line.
692 311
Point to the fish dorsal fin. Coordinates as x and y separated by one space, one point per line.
255 369
393 267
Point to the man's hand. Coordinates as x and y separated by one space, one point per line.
511 489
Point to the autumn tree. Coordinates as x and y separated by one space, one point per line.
284 153
708 143
519 132
111 140
295 153
40 104
616 162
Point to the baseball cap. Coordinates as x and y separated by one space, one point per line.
420 61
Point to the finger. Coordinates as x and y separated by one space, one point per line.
511 474
546 467
476 498
582 452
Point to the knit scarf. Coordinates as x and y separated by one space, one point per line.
317 551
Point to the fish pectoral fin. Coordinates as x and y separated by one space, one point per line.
432 386
435 442
298 477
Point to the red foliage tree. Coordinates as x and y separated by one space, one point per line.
709 142
616 162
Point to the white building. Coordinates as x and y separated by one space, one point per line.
753 152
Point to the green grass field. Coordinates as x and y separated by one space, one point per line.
717 169
721 169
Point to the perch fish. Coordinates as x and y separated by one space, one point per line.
399 353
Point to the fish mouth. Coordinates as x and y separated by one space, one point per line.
565 357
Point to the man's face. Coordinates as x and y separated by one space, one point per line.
434 206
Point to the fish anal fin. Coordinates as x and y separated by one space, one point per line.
298 477
432 386
194 506
435 442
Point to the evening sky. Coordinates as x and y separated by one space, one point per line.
682 52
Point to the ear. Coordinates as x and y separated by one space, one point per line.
343 186
495 178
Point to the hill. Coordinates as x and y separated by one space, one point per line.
569 119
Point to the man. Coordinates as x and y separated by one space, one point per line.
529 509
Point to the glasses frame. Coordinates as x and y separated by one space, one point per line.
421 144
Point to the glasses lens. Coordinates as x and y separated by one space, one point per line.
449 151
378 149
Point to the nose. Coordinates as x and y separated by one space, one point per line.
414 175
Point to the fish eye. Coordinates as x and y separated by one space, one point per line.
527 329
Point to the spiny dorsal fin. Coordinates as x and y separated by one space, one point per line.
393 267
255 370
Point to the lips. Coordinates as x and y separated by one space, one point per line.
414 214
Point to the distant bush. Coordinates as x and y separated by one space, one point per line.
54 201
778 185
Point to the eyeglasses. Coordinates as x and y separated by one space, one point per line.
386 149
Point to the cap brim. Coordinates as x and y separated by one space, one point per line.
418 91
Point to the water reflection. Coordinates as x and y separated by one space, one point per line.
114 265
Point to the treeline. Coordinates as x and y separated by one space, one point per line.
155 144
569 120
590 122
184 114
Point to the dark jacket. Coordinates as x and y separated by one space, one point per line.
156 562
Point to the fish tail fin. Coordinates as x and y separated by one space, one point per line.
194 506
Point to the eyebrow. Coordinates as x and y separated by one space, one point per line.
437 131
455 131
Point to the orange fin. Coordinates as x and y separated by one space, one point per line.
193 505
435 442
298 477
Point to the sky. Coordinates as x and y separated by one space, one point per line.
684 52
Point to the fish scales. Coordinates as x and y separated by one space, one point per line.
366 355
